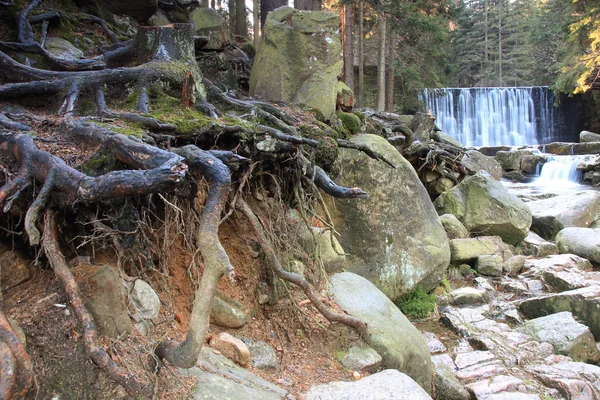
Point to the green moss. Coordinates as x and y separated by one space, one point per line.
350 121
446 284
169 109
416 304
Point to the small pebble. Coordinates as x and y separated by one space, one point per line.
356 375
216 352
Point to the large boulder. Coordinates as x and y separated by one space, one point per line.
385 385
453 227
299 58
61 48
552 215
584 242
474 161
483 205
587 136
395 238
393 336
208 22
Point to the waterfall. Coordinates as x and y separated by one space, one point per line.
560 170
513 116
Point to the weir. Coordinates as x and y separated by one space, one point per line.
513 116
560 170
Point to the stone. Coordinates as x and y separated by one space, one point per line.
219 378
392 335
444 138
345 97
513 265
361 359
422 126
535 245
63 49
139 10
209 23
468 295
394 237
474 161
433 343
530 163
584 242
491 265
447 385
587 136
465 250
385 385
552 215
227 313
574 380
14 268
586 148
483 205
440 185
497 385
298 59
583 303
491 151
104 295
569 337
262 355
231 347
146 304
465 360
558 148
453 227
511 160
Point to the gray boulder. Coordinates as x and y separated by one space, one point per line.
385 385
395 238
146 304
468 295
491 265
511 160
393 336
227 312
61 48
569 337
474 161
447 385
209 23
587 136
584 242
362 359
453 227
483 205
552 215
465 250
535 245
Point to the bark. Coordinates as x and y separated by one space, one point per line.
361 55
241 24
310 5
256 22
267 6
390 71
348 47
381 32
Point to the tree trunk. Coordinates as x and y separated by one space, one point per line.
361 55
231 6
267 6
310 5
390 70
500 43
348 47
485 45
241 24
256 22
380 102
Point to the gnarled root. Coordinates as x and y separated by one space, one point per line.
296 279
216 262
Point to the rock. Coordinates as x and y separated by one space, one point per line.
468 295
299 59
219 378
586 148
63 49
558 148
552 215
262 355
534 245
583 303
483 205
440 185
399 343
569 337
345 97
104 296
513 265
361 359
227 313
231 347
146 304
587 136
562 272
491 151
441 137
584 242
422 126
464 250
530 163
447 386
433 343
209 23
574 380
453 227
385 385
511 160
331 252
395 238
14 268
139 10
491 265
474 161
502 385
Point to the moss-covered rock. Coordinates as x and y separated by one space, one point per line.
350 121
208 22
299 59
345 96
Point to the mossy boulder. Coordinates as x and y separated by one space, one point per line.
395 238
208 22
350 121
298 59
483 205
345 96
61 48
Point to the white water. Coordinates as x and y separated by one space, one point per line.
560 170
492 116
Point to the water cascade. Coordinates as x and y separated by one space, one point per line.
560 170
513 116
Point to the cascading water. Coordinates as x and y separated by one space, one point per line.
513 116
560 170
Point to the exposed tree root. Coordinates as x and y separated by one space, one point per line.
296 279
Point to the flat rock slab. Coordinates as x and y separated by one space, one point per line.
584 242
385 385
573 380
468 295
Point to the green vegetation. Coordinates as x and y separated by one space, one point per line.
350 121
416 304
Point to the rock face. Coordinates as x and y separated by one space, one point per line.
385 385
485 206
399 343
584 242
569 337
139 10
146 304
552 215
262 355
395 238
207 22
299 58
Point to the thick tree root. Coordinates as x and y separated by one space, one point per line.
296 279
216 262
96 352
326 184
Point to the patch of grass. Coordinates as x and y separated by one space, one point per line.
446 284
416 304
